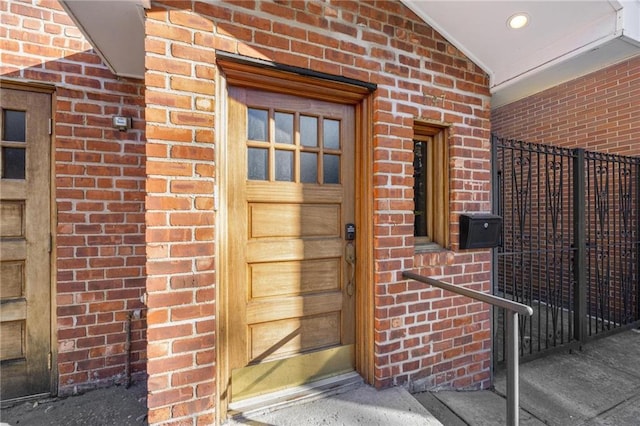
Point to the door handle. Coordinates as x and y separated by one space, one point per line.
350 257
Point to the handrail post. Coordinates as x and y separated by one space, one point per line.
513 391
512 310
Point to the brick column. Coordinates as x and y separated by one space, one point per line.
180 218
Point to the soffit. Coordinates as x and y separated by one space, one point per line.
564 40
115 28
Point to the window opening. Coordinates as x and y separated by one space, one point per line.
431 185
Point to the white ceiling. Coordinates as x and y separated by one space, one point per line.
564 40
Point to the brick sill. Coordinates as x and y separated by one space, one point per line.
429 248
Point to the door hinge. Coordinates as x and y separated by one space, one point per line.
50 125
50 243
49 361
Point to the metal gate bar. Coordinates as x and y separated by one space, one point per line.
612 241
570 242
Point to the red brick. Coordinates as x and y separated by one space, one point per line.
191 119
170 32
168 267
206 388
190 20
156 300
169 134
169 332
190 85
191 187
205 357
159 399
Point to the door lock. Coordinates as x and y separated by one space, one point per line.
350 232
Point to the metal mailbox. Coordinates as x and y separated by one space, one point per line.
480 230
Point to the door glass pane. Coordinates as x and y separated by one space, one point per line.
258 124
331 137
308 131
13 163
284 165
420 188
331 168
284 127
308 167
258 164
14 125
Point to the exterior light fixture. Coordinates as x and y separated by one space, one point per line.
518 20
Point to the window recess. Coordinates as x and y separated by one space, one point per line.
431 186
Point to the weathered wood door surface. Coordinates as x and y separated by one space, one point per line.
25 285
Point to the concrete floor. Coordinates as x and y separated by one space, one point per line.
599 385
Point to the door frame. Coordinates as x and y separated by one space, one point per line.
53 226
288 80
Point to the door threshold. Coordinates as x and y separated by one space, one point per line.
296 395
7 403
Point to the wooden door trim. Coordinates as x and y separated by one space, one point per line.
53 224
233 73
27 86
364 326
276 80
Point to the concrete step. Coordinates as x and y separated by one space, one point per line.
598 385
475 408
363 405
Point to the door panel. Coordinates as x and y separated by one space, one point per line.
24 244
292 249
294 220
273 309
310 332
290 196
296 277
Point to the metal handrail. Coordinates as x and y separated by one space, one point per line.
513 309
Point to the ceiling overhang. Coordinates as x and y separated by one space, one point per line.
115 29
564 40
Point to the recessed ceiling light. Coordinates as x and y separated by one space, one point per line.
518 20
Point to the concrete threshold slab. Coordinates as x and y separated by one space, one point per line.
364 406
296 395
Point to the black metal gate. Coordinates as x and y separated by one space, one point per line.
570 243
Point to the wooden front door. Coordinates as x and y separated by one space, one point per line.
290 194
24 243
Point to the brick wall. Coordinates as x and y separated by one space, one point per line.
99 193
423 339
598 112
